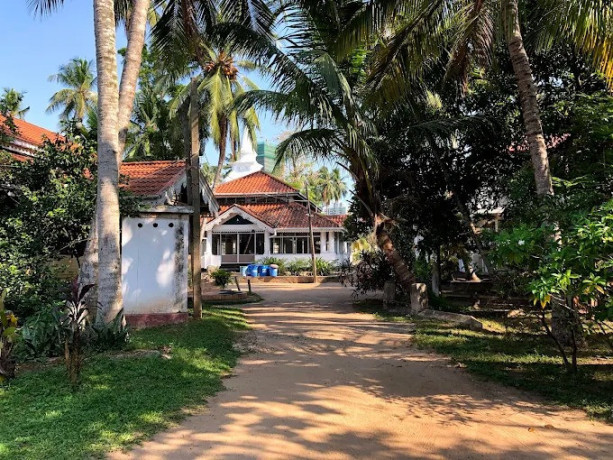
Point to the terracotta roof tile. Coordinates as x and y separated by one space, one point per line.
150 178
254 183
338 219
32 134
283 215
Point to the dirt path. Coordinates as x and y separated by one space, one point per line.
325 382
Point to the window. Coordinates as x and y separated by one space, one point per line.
294 243
228 244
259 243
247 243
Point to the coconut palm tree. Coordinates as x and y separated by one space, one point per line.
409 31
318 92
12 103
331 184
114 107
221 84
78 95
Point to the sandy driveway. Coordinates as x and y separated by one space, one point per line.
325 382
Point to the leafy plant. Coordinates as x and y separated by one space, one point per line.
112 336
324 267
299 266
73 321
371 272
41 335
8 336
221 277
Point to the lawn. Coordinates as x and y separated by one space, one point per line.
515 352
122 400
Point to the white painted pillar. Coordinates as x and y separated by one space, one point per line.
345 247
322 243
267 247
332 244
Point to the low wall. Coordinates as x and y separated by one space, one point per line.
286 279
140 321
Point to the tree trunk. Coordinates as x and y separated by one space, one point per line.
107 212
528 100
404 276
223 130
436 272
194 184
534 134
131 67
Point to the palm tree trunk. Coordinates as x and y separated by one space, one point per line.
527 97
223 130
88 273
384 241
131 68
107 210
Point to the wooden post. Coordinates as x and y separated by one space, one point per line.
311 237
193 182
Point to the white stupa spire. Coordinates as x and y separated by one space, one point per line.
247 162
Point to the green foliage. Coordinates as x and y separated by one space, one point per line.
221 277
371 272
299 266
11 103
110 336
73 322
324 267
8 337
41 335
582 267
127 398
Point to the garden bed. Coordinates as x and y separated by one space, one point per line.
289 279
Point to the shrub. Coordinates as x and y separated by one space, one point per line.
73 321
221 277
298 266
325 268
371 272
8 335
112 336
41 335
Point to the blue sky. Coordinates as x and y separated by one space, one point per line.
34 47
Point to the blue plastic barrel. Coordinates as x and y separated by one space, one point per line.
263 270
252 270
243 270
273 271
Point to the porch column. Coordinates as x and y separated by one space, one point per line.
267 243
209 243
322 243
332 244
345 247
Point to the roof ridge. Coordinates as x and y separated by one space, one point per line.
275 178
150 162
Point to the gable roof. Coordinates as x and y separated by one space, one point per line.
150 178
257 183
338 219
282 215
28 138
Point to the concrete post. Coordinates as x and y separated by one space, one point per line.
323 242
332 244
419 298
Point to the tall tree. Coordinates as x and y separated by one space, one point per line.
12 103
113 116
78 95
331 185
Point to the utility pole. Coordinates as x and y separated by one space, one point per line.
311 237
193 186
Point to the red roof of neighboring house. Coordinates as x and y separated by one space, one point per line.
255 183
150 178
339 219
283 215
27 133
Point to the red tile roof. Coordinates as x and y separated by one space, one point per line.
283 215
32 134
27 133
339 219
150 178
253 184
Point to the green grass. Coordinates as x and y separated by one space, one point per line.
515 352
121 400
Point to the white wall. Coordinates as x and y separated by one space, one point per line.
154 263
